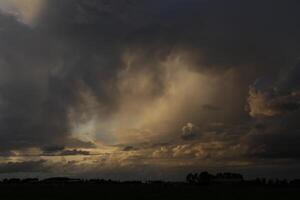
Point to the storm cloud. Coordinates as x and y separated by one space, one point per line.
207 78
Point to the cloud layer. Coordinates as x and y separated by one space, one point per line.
122 85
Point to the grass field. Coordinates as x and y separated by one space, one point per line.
181 191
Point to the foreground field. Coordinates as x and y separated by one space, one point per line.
154 191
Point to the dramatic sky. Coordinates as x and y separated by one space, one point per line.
149 89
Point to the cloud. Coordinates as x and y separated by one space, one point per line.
259 105
129 148
98 61
34 103
74 152
26 166
206 153
279 98
27 10
210 107
92 74
189 131
266 104
61 151
53 149
276 113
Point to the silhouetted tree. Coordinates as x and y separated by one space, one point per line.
192 178
205 178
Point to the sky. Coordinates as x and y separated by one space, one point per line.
140 89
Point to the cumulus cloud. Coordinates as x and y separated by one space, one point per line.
267 104
276 113
259 105
189 131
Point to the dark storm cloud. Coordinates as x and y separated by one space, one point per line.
276 110
71 143
34 102
223 33
278 140
25 166
74 152
25 102
78 45
53 149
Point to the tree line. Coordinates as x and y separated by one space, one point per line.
202 178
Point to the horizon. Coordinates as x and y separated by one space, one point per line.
213 176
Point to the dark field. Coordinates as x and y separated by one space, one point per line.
151 191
